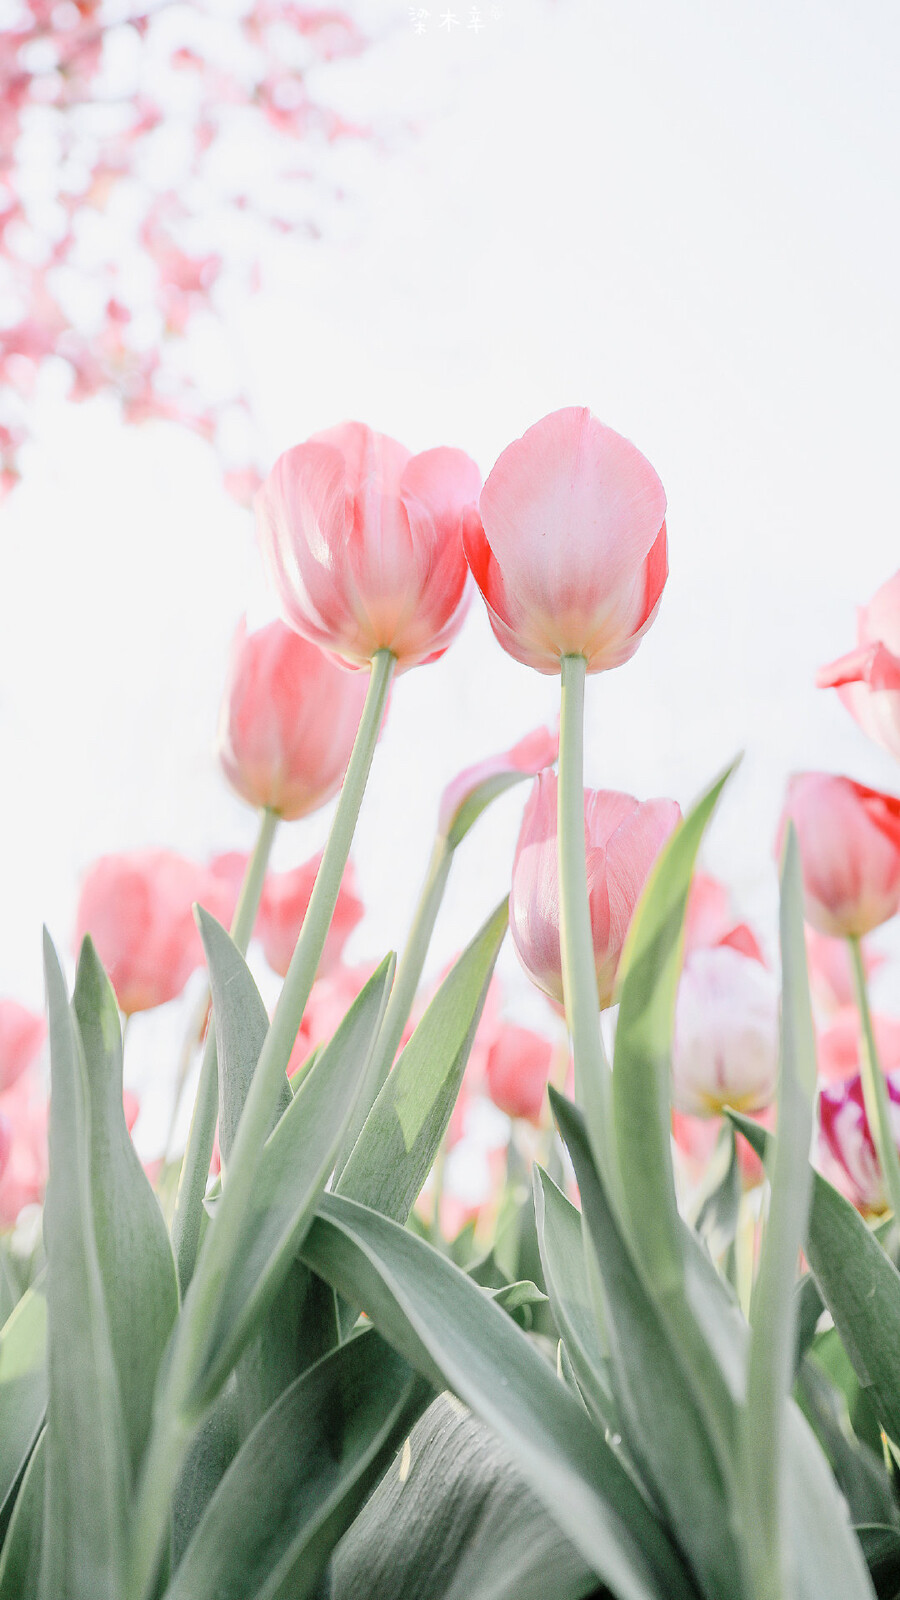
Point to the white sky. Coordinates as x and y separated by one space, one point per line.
683 216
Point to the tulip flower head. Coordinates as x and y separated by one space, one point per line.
623 837
466 795
849 838
287 722
363 542
517 1072
725 1046
838 1046
868 678
570 552
830 971
709 920
282 908
137 909
846 1147
21 1037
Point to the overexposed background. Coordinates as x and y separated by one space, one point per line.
684 217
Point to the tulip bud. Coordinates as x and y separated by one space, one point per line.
288 721
846 1147
137 909
725 1046
570 552
849 838
518 1068
623 837
868 678
363 543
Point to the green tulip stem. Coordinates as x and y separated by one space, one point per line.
593 1080
188 1216
875 1090
409 969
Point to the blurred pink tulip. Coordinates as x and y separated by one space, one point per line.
868 678
488 778
838 1046
695 1140
287 722
725 1047
24 1175
137 909
330 999
570 553
363 542
709 920
282 908
849 839
846 1147
518 1069
226 874
830 972
21 1037
623 837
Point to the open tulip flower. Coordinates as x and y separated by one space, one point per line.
849 839
363 542
867 679
570 552
288 720
623 837
725 1047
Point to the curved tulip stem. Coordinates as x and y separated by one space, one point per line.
875 1091
198 1153
593 1081
409 969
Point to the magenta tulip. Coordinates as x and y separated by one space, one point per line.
287 722
868 678
846 1147
570 553
623 837
849 839
363 542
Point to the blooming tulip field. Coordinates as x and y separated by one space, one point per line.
433 1305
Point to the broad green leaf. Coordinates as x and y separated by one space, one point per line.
136 1264
20 1562
397 1146
23 1390
859 1284
663 1416
824 1558
446 1327
773 1312
298 1481
650 969
297 1160
86 1452
565 1272
241 1024
454 1520
859 1473
829 1354
211 1453
881 1548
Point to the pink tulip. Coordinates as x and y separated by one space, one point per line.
363 542
868 678
282 909
846 1147
849 839
838 1046
696 1137
288 720
328 1003
480 783
518 1069
570 554
830 972
623 837
24 1111
137 909
226 874
725 1046
21 1037
709 920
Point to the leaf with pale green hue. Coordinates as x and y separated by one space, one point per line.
454 1520
650 969
23 1390
663 1416
565 1272
773 1312
403 1132
296 1163
135 1257
20 1562
859 1283
211 1452
859 1473
86 1452
824 1559
298 1481
445 1326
